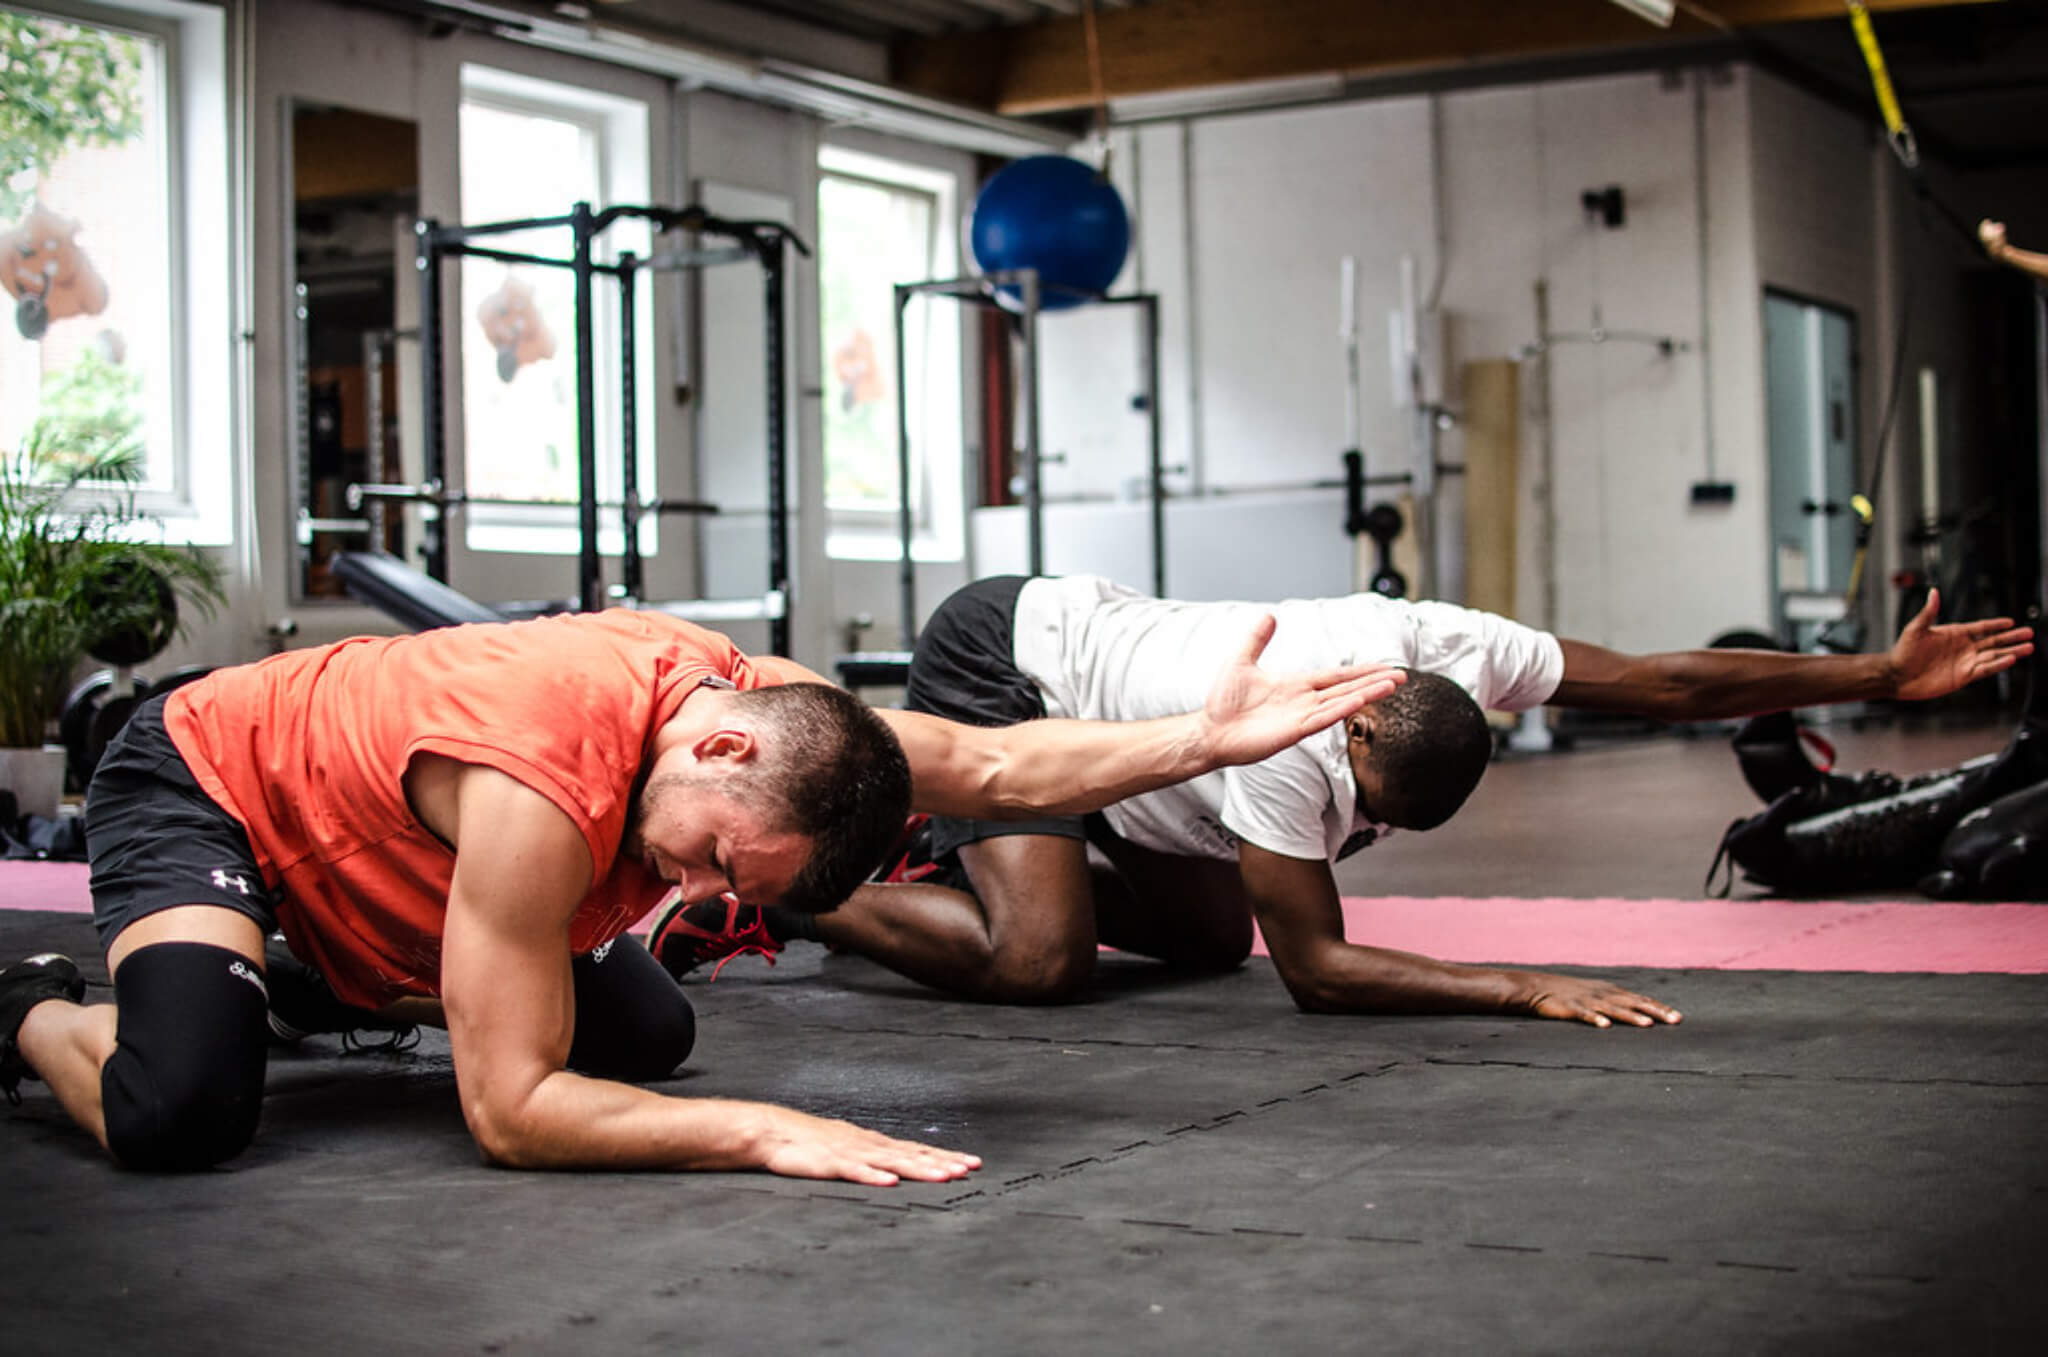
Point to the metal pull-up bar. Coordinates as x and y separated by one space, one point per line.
760 241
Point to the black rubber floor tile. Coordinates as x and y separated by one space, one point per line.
1002 1283
1825 1177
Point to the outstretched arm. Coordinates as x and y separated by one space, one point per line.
1303 924
1696 685
510 1006
1992 233
1060 767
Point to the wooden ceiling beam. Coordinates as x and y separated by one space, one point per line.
1192 44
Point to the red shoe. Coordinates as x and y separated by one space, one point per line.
911 858
684 937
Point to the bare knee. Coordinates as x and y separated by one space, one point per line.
1037 904
1049 972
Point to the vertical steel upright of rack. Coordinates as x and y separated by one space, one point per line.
761 242
1031 291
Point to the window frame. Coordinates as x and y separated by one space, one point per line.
938 510
194 504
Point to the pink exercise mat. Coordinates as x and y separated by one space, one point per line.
1742 935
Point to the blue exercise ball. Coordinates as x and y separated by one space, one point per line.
1058 216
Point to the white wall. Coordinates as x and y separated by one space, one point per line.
1638 565
1242 223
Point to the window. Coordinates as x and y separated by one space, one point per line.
113 241
534 148
883 222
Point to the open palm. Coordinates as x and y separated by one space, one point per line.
1933 661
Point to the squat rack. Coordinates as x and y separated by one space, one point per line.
759 241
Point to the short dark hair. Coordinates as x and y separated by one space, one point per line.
1430 745
832 771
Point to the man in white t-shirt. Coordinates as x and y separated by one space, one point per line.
1011 910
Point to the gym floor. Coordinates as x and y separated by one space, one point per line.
1814 1161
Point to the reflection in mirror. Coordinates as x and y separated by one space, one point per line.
355 194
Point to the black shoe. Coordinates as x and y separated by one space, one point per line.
22 986
302 1005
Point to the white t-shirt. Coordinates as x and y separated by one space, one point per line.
1101 652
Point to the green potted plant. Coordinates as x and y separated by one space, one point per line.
75 577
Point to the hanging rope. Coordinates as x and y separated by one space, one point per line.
1895 128
1846 632
1898 132
1095 85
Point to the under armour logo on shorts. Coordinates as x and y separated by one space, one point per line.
223 879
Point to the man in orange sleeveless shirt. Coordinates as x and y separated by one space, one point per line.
475 816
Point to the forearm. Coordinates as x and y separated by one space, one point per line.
1701 685
571 1121
1060 767
1348 978
2027 261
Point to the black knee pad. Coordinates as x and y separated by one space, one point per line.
633 1021
185 1083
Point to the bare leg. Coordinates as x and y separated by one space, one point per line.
1028 938
67 1043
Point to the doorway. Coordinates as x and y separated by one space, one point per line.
1810 398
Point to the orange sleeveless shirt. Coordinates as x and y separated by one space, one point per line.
308 750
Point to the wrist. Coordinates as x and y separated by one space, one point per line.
1198 746
1890 680
747 1140
1515 991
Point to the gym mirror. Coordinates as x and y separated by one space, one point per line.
354 196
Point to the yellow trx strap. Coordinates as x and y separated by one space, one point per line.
1900 135
1866 512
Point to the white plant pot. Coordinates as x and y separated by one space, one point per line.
36 777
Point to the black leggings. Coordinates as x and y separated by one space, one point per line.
185 1083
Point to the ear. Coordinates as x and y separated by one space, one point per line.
1358 731
728 742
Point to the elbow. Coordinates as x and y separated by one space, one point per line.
503 1136
1312 1000
1313 990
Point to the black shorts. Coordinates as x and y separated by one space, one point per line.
157 841
965 669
